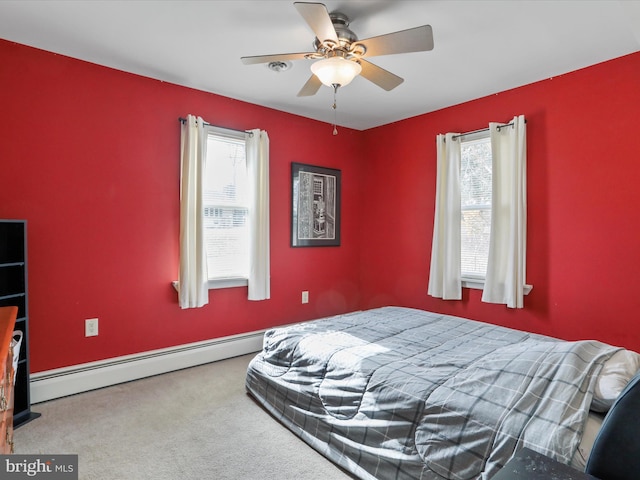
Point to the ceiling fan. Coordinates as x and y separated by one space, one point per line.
341 56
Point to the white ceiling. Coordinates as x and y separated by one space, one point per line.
481 47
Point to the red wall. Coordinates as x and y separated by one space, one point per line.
90 157
583 196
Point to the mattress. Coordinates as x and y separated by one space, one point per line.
402 393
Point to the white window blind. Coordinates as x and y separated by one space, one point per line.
226 200
475 192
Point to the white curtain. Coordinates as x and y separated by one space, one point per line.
192 281
257 148
444 275
506 271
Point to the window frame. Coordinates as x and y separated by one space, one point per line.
232 281
470 280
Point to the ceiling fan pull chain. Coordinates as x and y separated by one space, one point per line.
335 106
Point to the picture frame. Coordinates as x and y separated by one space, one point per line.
315 211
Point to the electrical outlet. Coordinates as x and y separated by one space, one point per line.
305 297
91 327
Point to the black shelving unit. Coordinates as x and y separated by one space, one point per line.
13 291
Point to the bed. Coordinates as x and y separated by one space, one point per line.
401 393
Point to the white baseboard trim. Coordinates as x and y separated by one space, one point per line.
61 382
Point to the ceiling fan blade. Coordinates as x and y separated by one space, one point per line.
378 75
282 57
317 16
311 87
417 39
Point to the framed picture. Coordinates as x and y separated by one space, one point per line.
315 212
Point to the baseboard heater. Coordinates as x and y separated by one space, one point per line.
61 382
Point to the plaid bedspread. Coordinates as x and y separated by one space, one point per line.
399 393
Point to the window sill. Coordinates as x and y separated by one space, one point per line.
221 283
478 283
228 283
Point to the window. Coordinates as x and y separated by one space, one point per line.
475 205
473 246
224 212
226 208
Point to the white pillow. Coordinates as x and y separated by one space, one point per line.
615 374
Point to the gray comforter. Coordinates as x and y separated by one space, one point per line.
398 393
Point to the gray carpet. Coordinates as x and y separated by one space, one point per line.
197 423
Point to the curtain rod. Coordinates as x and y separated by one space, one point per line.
483 130
184 120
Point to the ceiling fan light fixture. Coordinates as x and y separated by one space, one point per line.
336 71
